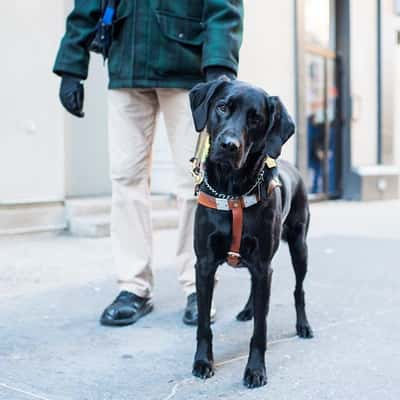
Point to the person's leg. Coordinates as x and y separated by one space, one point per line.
132 116
182 137
175 107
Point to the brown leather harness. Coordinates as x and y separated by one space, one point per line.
236 206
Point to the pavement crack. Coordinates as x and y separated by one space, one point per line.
175 388
26 393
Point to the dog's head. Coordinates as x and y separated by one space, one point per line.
241 119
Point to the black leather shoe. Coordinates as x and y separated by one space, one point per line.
190 315
126 309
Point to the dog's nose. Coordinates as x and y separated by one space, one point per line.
230 144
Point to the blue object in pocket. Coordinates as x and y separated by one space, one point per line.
108 16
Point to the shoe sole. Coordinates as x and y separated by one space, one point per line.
128 321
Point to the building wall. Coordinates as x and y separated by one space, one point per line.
31 132
390 66
86 140
396 108
363 16
267 58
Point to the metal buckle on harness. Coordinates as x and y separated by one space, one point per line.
197 173
222 204
233 259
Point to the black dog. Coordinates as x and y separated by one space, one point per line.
247 203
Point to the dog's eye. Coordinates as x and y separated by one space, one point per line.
222 108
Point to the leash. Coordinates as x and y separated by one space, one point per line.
227 202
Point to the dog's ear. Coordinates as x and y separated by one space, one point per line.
200 99
280 128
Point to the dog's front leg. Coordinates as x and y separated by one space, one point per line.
203 360
255 373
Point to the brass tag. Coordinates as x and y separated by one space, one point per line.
270 162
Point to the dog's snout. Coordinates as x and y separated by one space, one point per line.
230 144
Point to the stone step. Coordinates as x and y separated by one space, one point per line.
26 218
95 226
93 206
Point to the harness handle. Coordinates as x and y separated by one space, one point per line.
200 155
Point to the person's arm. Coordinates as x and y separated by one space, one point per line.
215 72
223 21
73 55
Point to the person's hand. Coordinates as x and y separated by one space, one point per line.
72 95
213 73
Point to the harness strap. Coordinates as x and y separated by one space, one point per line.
237 230
236 206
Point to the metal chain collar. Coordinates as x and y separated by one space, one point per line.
260 179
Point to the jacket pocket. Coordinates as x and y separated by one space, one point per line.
180 49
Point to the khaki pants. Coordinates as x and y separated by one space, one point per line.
132 117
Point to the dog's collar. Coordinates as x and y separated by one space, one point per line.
269 162
236 206
223 196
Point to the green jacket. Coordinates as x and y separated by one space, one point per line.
156 43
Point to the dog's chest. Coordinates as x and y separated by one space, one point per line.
214 230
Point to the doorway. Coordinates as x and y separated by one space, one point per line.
320 99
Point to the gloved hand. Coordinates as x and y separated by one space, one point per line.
72 95
213 73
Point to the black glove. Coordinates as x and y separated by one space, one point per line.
72 95
213 73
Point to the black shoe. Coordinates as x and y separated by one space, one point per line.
190 316
126 309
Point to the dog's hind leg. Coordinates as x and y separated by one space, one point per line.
296 237
247 313
248 310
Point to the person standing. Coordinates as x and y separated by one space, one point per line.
159 50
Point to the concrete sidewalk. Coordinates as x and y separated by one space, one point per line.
54 287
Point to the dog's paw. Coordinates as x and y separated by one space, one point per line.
254 378
304 331
203 369
245 315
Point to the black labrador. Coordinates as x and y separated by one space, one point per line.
247 129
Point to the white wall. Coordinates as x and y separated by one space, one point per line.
86 141
396 141
31 129
364 81
267 56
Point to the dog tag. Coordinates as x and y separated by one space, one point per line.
270 162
